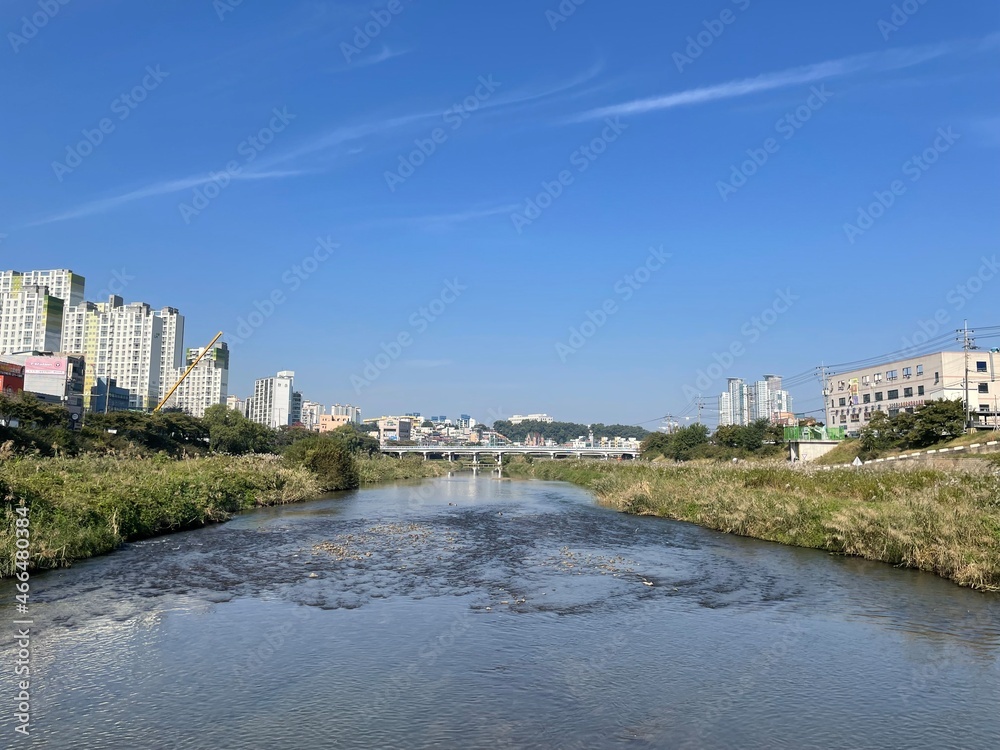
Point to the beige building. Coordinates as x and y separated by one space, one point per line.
907 384
330 422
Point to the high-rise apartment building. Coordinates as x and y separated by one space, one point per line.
353 413
61 283
124 342
206 385
271 403
172 354
31 319
743 403
311 413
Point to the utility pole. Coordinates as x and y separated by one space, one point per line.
967 345
701 405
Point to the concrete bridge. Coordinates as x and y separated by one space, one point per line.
450 452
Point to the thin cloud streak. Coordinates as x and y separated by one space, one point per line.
332 139
160 188
891 60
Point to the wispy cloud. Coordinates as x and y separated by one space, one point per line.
379 57
165 187
282 164
427 364
876 61
445 221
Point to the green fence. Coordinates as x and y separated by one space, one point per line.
800 434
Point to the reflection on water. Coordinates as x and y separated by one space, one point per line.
478 612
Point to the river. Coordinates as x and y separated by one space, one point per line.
472 612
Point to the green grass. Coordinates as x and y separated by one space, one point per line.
946 522
849 449
86 506
382 468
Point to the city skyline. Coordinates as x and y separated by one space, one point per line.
599 231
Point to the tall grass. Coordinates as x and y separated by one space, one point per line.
86 506
382 468
946 522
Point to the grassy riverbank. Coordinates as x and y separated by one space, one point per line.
89 505
945 522
86 506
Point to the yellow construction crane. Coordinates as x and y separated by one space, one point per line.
187 372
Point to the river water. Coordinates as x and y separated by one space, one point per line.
472 612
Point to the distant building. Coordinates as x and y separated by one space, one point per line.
311 413
353 413
296 415
31 319
236 404
271 403
61 283
392 429
518 418
743 403
55 378
852 397
207 384
106 397
136 345
11 378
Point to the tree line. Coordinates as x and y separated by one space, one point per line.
30 427
564 432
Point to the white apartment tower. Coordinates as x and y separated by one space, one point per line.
31 319
206 385
311 412
271 403
172 355
134 344
62 283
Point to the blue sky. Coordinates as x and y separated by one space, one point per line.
728 176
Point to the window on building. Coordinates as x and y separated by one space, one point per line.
907 372
937 378
865 380
867 398
920 369
840 385
981 367
878 395
891 375
893 394
878 377
907 392
843 402
984 387
920 390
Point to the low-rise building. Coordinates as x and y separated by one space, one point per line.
852 397
11 378
106 397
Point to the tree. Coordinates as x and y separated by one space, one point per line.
231 432
328 458
936 421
